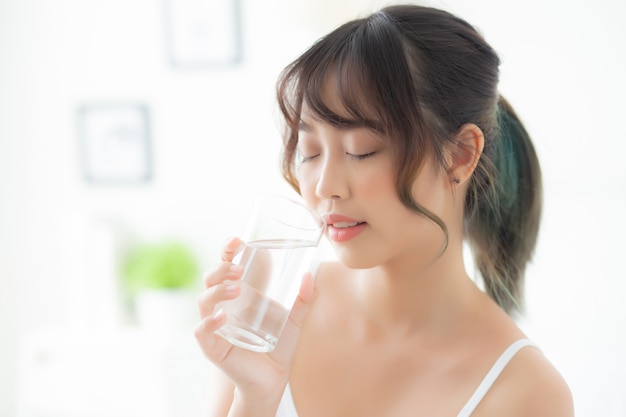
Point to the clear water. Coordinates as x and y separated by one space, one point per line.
273 272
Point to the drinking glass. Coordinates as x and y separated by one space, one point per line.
278 246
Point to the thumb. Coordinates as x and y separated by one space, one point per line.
286 346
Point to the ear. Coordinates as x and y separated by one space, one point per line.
465 152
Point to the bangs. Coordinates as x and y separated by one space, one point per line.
337 95
357 76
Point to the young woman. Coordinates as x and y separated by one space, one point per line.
396 134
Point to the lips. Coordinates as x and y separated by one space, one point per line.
342 228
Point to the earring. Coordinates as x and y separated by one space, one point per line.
456 180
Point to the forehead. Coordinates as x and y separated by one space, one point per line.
339 97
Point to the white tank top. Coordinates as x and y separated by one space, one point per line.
287 407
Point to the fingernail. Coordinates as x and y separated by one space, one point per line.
219 316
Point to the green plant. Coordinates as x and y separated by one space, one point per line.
164 265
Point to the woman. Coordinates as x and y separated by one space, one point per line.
396 134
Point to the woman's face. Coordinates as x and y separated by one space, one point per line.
348 176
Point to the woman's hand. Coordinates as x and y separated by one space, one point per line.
259 378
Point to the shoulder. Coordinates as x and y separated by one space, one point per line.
530 386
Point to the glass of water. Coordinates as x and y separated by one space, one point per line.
279 243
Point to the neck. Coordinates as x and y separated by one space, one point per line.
403 298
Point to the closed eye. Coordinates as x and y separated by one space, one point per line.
307 158
361 156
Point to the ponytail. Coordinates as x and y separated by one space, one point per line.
503 213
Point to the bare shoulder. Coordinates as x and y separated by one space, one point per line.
530 386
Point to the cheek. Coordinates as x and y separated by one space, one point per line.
376 182
306 182
429 192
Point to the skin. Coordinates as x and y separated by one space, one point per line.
395 328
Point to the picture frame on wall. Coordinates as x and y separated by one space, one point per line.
115 143
202 33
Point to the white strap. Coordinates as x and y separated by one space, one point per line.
287 407
492 375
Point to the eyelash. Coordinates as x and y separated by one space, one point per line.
304 159
361 157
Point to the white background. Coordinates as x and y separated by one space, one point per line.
215 142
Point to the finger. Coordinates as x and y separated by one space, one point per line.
213 346
231 247
209 298
289 338
224 271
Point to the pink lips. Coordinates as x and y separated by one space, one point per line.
342 228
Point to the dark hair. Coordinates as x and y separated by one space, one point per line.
417 75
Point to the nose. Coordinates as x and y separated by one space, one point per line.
332 182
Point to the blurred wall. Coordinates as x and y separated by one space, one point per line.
215 141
